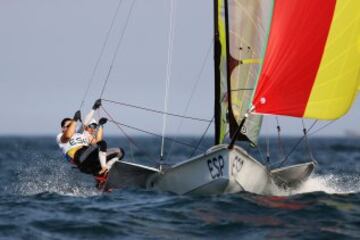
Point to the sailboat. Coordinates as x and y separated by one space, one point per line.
298 58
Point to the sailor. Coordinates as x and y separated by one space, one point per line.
86 148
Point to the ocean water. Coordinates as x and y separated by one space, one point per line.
43 197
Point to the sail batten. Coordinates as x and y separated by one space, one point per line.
312 62
250 61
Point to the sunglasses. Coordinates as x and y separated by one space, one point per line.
92 126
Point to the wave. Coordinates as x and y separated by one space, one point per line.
52 176
327 183
331 184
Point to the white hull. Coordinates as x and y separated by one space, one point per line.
218 171
221 170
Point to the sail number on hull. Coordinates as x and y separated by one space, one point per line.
216 166
237 165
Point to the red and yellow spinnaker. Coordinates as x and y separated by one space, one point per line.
311 67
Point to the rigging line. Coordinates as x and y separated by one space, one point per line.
156 111
307 145
321 128
107 36
130 144
118 47
130 140
267 149
153 134
202 138
123 132
309 134
261 154
192 94
282 162
281 145
168 72
258 147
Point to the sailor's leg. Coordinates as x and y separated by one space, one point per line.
114 155
90 164
115 152
82 154
102 153
111 162
95 157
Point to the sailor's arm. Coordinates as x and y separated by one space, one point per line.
87 120
90 115
100 132
71 129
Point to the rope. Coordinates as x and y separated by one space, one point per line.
91 80
119 124
201 138
117 48
130 140
321 128
156 111
153 134
267 149
199 75
281 146
258 147
307 145
301 139
168 72
296 145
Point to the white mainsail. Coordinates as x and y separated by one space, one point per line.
242 34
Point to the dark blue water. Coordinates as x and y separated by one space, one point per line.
43 197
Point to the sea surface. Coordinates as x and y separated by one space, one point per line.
44 197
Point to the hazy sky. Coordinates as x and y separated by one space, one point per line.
48 50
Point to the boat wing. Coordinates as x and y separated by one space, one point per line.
126 174
292 176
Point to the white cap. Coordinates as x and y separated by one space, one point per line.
93 121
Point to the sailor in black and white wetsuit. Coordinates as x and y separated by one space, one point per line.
86 149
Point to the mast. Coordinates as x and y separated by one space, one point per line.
217 55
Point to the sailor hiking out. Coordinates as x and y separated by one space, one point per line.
85 147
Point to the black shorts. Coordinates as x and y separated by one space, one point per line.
87 159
